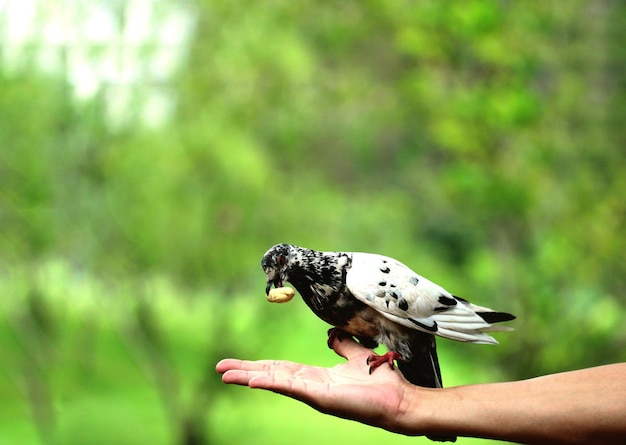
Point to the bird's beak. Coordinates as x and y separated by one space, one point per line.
275 283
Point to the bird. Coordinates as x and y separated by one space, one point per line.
379 300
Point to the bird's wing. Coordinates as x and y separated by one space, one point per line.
411 300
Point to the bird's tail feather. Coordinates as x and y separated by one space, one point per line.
422 368
469 322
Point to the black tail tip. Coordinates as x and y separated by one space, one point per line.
496 317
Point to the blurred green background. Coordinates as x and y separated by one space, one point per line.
151 152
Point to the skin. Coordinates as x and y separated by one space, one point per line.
586 406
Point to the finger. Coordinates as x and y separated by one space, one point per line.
237 377
276 379
227 364
348 348
243 377
304 390
258 365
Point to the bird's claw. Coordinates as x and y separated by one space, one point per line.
335 333
375 360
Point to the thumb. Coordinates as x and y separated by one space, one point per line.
344 345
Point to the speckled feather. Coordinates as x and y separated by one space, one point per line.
406 298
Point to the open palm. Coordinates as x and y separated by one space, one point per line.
346 390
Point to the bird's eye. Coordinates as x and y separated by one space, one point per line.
281 260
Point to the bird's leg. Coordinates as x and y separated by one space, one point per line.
375 360
336 333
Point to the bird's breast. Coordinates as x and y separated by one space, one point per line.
363 324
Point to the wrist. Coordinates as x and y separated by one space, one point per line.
420 411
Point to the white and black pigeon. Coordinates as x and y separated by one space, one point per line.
380 300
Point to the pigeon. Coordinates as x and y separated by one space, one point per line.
379 300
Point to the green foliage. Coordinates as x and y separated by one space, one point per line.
480 142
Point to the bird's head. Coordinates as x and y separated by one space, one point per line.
275 264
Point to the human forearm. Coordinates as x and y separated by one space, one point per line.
586 406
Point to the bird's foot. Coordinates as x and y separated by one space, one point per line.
375 360
336 333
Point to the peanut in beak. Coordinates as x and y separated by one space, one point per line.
280 295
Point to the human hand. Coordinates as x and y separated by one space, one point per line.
347 390
585 406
